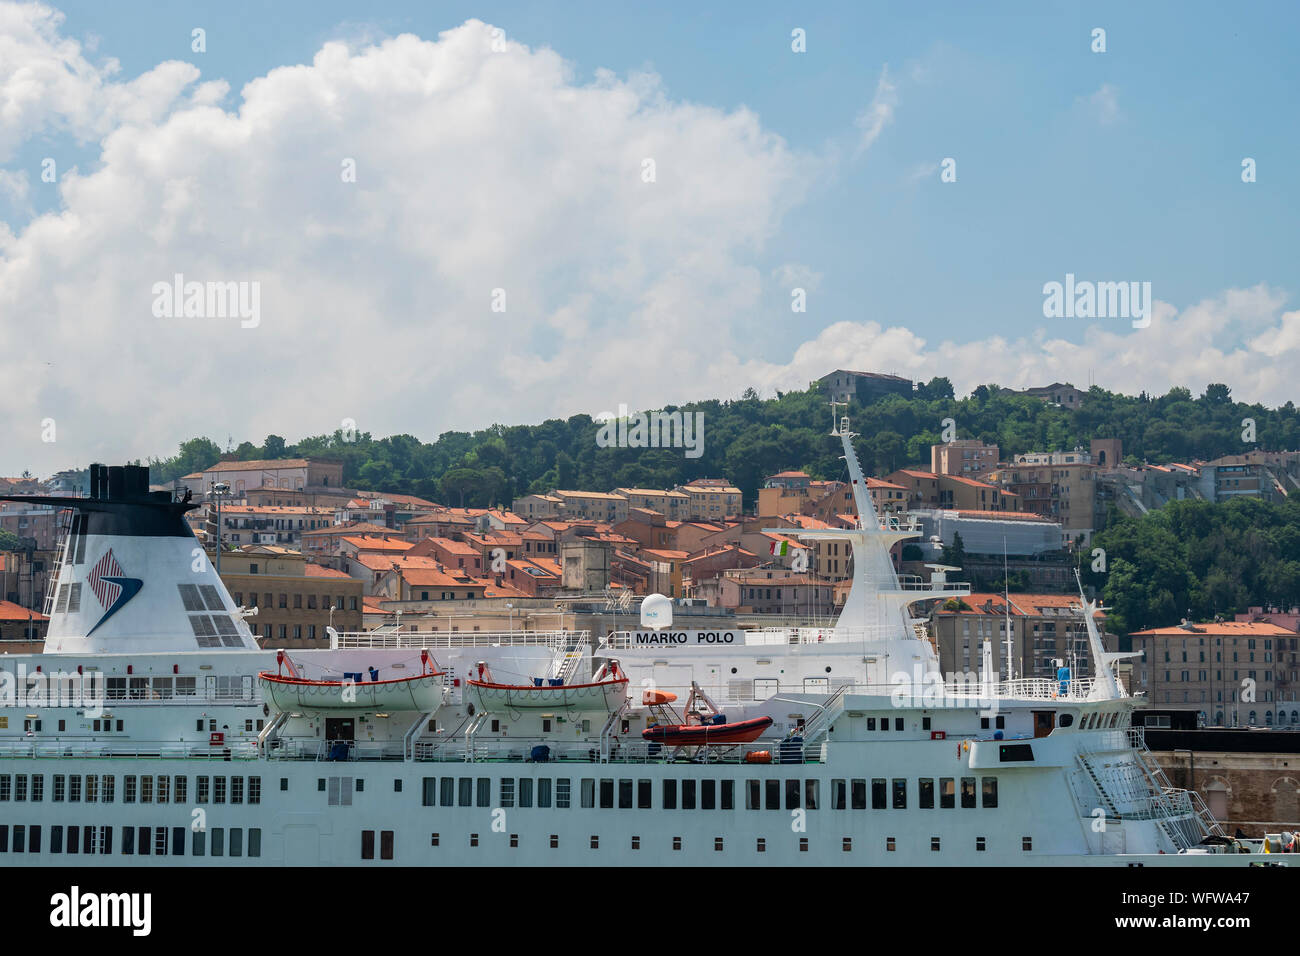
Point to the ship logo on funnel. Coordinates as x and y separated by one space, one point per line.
111 589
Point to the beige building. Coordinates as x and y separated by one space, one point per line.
1228 671
1045 628
295 600
967 456
711 499
1064 492
673 505
593 505
292 474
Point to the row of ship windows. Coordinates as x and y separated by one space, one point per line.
135 841
878 793
97 788
760 844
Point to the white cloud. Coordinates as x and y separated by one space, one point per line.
476 170
879 112
1103 104
1241 337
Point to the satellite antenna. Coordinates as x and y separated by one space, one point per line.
656 612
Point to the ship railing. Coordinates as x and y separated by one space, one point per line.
169 749
1027 688
448 640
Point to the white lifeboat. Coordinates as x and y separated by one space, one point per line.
605 693
293 693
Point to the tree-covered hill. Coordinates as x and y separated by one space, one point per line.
748 438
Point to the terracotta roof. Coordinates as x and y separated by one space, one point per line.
9 611
881 483
370 542
997 515
1220 629
365 528
666 553
432 577
790 474
320 571
261 464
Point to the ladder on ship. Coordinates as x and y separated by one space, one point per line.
1161 783
570 659
818 727
63 524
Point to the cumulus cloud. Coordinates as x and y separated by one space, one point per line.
1242 336
482 176
1103 104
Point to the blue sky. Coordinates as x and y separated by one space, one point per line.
1123 165
1044 186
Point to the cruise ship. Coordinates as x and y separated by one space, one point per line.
154 730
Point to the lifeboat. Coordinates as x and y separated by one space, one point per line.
606 693
293 693
422 693
693 735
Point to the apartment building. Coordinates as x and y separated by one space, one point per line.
844 385
673 505
295 600
1233 673
711 499
966 456
294 474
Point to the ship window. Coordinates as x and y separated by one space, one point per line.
484 794
717 844
753 795
984 723
811 794
428 798
859 791
219 789
588 793
772 794
606 794
1026 843
255 789
878 793
643 794
761 845
56 839
934 844
190 597
677 843
890 845
925 723
898 723
803 844
980 844
20 786
848 844
947 793
465 792
507 792
595 842
525 791
625 794
555 841
386 844
128 841
1067 720
728 794
237 789
871 723
143 845
254 840
1000 722
180 789
74 598
473 839
367 844
514 843
990 791
838 794
197 843
544 792
107 788
708 795
562 795
967 793
447 791
211 597
925 793
900 794
688 794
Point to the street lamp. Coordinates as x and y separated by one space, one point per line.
219 490
510 608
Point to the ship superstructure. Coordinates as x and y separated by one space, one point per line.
155 726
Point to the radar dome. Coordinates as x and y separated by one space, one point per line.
656 611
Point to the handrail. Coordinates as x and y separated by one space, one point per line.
454 639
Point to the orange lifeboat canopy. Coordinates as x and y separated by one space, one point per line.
652 697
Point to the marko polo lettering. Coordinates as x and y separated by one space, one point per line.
669 638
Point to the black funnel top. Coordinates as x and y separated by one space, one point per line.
121 503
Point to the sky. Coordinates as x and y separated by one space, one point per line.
442 216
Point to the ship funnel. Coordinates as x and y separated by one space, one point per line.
132 577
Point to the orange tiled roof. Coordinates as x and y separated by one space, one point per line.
9 611
1222 628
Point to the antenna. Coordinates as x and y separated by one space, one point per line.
1006 606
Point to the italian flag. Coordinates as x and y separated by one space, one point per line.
780 547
